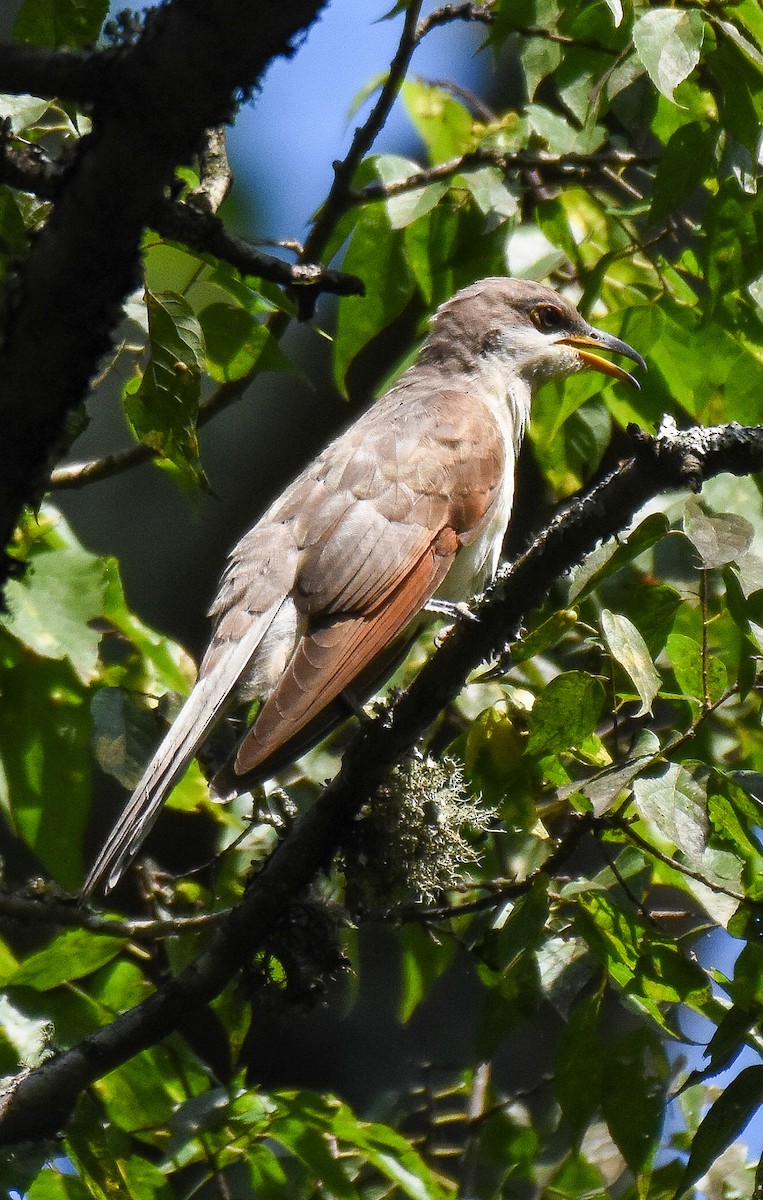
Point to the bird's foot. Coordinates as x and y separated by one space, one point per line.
446 608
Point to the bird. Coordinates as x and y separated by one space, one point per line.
407 508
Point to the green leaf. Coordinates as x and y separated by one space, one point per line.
566 712
424 960
443 123
236 342
391 1155
741 95
491 194
577 1177
517 929
668 41
70 955
630 651
14 239
376 254
545 636
164 665
71 23
695 673
616 8
604 788
647 969
723 1123
682 169
22 112
718 538
633 1095
614 554
676 805
162 404
50 1184
559 135
50 609
579 1066
45 758
123 735
728 1041
450 246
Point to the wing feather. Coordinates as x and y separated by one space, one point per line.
206 703
329 658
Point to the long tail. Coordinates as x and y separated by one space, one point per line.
210 696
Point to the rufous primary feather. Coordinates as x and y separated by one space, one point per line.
411 502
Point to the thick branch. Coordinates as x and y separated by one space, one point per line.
179 79
79 75
206 234
43 1099
29 169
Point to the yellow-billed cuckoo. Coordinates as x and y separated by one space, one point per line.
411 503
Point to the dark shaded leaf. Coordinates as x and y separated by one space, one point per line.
162 403
60 22
723 1123
634 1089
579 1066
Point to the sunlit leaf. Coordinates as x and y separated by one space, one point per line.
565 713
630 651
718 538
70 955
668 42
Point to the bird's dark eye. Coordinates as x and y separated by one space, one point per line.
547 318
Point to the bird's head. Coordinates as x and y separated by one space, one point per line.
525 330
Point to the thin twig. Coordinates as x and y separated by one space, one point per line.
564 165
339 196
29 910
482 13
669 861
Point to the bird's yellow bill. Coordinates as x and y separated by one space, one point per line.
605 341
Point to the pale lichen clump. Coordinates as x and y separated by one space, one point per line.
411 838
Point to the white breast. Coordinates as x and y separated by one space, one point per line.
476 564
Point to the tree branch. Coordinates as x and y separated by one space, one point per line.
79 75
559 165
29 169
339 198
205 233
179 79
42 1100
30 910
482 13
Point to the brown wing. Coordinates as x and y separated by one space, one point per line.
378 521
330 658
